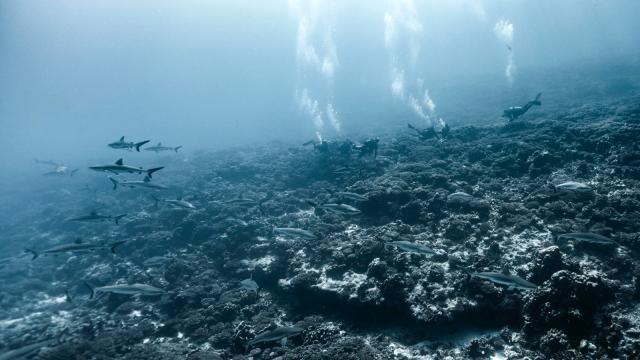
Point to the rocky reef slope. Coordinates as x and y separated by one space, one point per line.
484 200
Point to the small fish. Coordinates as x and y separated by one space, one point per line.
155 261
95 217
74 247
279 333
342 209
573 186
352 196
510 281
295 232
459 196
181 203
146 183
412 247
119 167
158 148
133 289
249 285
121 144
236 222
587 238
240 201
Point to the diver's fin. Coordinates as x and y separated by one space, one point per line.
115 182
119 162
151 171
140 144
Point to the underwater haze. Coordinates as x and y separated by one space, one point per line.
214 74
308 179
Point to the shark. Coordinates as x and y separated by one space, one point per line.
511 281
120 167
145 183
27 351
573 186
95 217
125 289
121 144
295 232
352 196
279 333
412 247
58 169
74 247
178 202
587 237
158 148
341 209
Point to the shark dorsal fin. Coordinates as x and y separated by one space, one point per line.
147 179
179 198
122 138
119 162
77 241
93 212
159 144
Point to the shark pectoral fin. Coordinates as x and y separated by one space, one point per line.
32 252
151 171
116 244
140 144
91 289
115 182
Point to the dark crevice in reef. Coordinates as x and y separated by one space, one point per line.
396 322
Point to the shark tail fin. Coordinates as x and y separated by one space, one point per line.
177 148
91 289
68 297
140 144
116 244
151 171
115 182
537 101
117 218
32 252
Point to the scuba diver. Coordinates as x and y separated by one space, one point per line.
322 146
370 146
439 130
514 112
